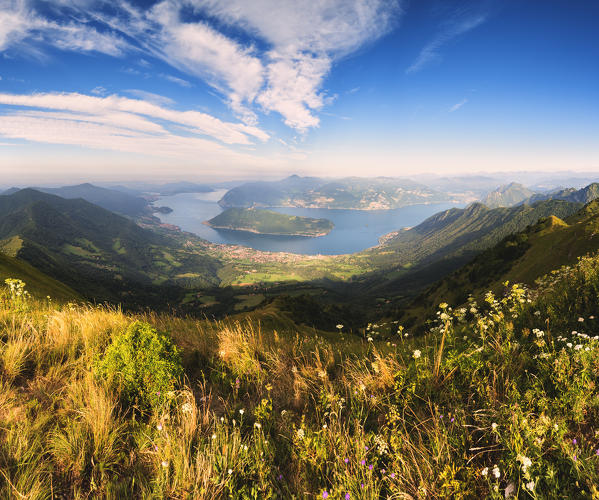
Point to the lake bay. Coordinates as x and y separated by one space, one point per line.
354 230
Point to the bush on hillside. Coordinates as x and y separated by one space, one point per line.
142 364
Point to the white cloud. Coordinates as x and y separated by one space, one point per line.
299 42
200 50
306 38
138 113
159 100
293 88
458 105
20 24
451 29
60 130
178 81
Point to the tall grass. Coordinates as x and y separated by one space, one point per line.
499 398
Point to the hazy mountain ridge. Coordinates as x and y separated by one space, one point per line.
583 195
350 193
110 199
508 195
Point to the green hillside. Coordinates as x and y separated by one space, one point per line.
100 254
522 257
38 284
420 256
269 222
110 199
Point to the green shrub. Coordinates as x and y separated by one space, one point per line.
142 364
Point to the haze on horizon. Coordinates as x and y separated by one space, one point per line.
203 89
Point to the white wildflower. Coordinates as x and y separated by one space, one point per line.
484 472
496 472
525 461
416 354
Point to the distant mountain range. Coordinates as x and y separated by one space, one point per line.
350 193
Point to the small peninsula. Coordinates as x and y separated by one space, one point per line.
271 223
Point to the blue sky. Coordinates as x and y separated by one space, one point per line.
203 89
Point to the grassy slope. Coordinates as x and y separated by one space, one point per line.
480 404
269 222
39 284
519 258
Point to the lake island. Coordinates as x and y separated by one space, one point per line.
267 222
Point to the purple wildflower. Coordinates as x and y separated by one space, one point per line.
393 475
347 496
325 494
363 462
574 441
370 467
346 460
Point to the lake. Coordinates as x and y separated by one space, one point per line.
354 230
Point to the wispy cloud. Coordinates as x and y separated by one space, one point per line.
451 28
178 81
20 25
302 40
157 99
134 118
307 37
458 105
